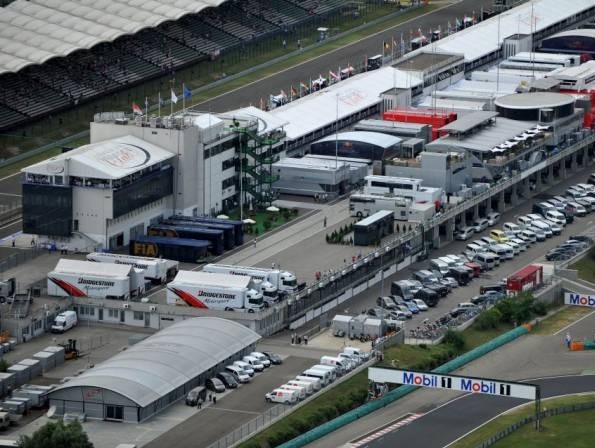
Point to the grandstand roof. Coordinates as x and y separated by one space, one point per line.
481 39
319 109
33 31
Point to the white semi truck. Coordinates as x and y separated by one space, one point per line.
98 280
214 291
284 281
157 270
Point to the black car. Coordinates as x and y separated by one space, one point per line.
227 379
215 385
273 357
429 296
583 238
441 290
195 395
557 257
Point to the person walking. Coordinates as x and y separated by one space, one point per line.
306 339
199 404
214 399
324 222
254 242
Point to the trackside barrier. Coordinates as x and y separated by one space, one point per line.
395 394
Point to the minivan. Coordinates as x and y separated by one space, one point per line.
472 250
464 234
238 373
488 259
401 288
254 363
439 266
556 216
247 368
541 207
195 395
543 227
524 222
579 209
528 235
429 296
493 218
503 251
499 236
64 322
264 360
480 225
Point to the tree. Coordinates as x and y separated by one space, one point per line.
57 435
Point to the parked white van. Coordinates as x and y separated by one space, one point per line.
524 221
335 371
488 259
238 374
528 235
64 322
305 384
324 376
515 247
543 227
316 382
336 362
439 266
301 391
471 251
284 396
254 363
503 251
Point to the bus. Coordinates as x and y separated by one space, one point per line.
215 237
371 230
238 226
180 249
364 205
227 229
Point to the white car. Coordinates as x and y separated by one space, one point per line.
493 218
521 243
464 234
421 304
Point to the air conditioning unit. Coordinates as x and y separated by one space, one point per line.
152 308
126 306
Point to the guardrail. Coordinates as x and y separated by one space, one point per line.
531 418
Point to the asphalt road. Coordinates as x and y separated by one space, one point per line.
461 415
253 92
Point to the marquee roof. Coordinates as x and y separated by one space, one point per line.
33 31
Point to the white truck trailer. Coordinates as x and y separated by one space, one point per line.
157 270
98 280
284 281
214 291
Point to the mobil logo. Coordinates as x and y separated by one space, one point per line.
484 387
420 379
579 299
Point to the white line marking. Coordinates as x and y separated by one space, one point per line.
11 194
233 410
11 224
573 323
8 177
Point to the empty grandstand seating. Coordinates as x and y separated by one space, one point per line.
61 83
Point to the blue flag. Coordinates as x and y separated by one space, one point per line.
186 92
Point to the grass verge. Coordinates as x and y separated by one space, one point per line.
558 431
562 318
585 267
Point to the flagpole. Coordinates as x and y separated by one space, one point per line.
183 98
146 109
159 106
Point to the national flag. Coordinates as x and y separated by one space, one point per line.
334 75
174 98
136 109
186 92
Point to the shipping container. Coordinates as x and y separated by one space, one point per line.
181 249
215 237
527 279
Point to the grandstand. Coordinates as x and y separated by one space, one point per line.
57 54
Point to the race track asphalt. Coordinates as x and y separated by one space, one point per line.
356 52
456 418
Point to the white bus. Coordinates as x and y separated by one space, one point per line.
364 205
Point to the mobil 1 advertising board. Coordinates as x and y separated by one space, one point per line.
453 382
572 298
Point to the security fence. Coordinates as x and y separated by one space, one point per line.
531 419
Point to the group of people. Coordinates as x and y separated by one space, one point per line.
297 339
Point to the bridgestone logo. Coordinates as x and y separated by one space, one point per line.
86 281
216 295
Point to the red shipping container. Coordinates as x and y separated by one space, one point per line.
527 279
421 116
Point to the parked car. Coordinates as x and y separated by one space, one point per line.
480 225
421 305
493 218
227 379
405 310
215 385
462 308
464 234
195 395
273 357
488 297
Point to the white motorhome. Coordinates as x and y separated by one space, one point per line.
214 291
157 270
64 322
284 396
76 278
284 281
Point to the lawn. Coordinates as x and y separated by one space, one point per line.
562 318
585 267
265 221
570 430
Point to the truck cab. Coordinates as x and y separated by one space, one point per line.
255 301
288 282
